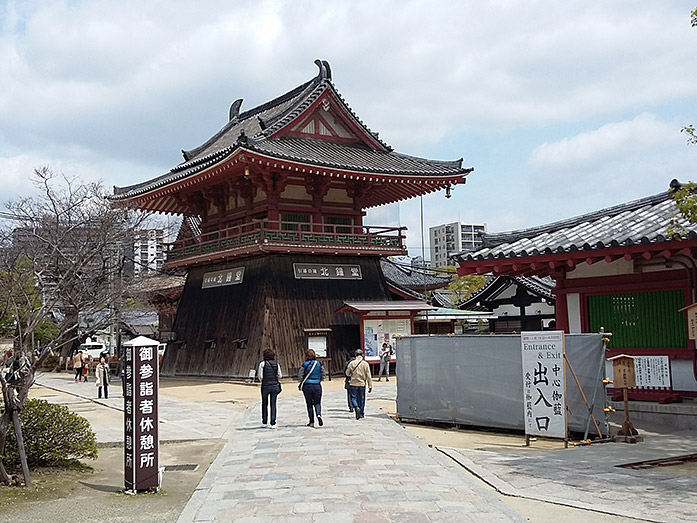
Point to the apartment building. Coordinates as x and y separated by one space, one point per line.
450 238
148 251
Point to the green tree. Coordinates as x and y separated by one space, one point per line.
61 255
685 197
462 287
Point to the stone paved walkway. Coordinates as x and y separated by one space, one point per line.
589 477
350 471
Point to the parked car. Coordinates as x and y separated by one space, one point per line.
93 349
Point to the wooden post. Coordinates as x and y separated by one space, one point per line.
583 396
20 447
623 374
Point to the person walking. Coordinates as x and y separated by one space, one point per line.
385 356
359 372
101 374
310 375
269 374
77 365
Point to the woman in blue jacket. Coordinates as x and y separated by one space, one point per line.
310 375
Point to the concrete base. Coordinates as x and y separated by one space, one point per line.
681 416
628 439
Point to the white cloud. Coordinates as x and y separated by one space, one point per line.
115 89
637 157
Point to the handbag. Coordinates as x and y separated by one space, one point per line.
307 375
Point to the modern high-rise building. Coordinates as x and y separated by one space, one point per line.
450 238
148 251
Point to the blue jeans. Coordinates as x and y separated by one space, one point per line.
313 399
269 393
358 399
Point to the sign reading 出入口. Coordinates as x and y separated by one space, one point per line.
141 376
544 384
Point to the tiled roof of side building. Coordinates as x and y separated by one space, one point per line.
410 277
495 285
641 221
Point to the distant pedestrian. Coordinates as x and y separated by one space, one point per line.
269 374
359 372
385 356
77 365
310 376
85 367
101 374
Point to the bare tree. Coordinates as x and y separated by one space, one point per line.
62 258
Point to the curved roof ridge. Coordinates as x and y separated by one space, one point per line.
494 239
246 115
284 119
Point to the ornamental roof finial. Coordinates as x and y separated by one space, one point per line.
325 71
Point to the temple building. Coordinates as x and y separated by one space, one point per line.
273 238
618 269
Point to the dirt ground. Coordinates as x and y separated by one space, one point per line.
97 494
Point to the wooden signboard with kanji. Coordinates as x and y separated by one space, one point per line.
623 371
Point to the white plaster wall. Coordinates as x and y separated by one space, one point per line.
602 268
573 306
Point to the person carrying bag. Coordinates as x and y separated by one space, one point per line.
310 375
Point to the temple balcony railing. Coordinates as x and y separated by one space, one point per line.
278 237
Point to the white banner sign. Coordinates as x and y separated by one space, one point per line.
652 371
543 383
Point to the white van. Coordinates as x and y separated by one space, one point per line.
93 349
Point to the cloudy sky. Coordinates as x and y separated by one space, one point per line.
561 107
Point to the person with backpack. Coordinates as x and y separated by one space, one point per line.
269 374
310 376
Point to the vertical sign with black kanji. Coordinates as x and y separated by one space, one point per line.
141 370
544 384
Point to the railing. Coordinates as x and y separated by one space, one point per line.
299 237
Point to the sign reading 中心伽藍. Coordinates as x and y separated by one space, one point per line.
220 278
326 271
544 384
141 373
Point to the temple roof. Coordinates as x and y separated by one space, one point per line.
496 286
638 222
412 278
633 228
312 126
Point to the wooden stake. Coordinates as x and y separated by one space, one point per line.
578 384
20 448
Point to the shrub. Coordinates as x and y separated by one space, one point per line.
51 362
52 435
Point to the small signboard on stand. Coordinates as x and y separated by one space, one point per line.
624 377
544 384
691 320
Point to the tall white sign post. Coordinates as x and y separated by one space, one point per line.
544 384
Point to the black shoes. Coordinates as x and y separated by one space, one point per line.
319 420
358 414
